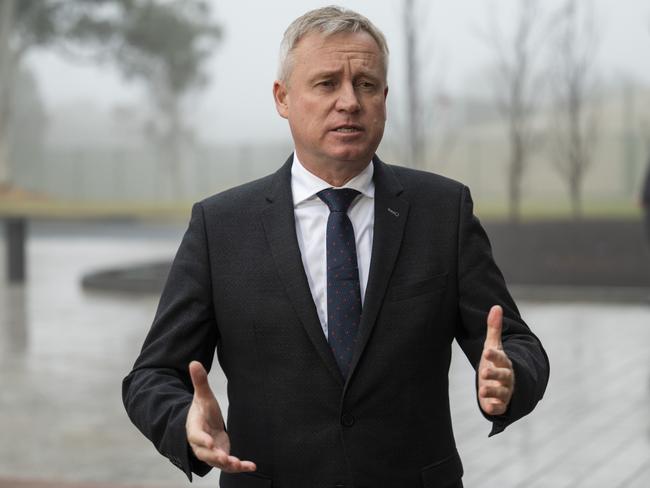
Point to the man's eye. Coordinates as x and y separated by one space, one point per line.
368 85
326 83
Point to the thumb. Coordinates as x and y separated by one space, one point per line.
200 383
494 327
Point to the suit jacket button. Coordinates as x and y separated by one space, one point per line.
347 419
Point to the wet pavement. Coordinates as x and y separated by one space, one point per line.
64 351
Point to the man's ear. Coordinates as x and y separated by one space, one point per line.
280 95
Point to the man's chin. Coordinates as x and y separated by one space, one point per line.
352 156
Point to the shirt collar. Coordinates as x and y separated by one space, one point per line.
305 185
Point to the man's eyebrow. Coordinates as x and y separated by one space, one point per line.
329 73
366 73
325 73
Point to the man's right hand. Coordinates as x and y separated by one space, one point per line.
205 429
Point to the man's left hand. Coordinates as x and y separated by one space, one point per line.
496 378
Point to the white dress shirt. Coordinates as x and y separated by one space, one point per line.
311 215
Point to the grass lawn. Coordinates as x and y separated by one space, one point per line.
560 210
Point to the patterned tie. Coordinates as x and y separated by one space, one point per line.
343 292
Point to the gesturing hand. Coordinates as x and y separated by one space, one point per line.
205 429
496 378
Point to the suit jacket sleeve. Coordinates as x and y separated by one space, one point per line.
158 391
481 285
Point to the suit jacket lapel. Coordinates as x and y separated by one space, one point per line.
279 224
391 211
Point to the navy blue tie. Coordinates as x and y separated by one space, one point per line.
343 291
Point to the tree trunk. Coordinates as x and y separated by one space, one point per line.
7 72
4 155
575 189
414 108
517 156
174 149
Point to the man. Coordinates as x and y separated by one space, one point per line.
331 291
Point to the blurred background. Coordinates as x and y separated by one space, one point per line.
115 115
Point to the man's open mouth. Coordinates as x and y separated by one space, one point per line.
348 129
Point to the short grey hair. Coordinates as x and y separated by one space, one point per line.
328 21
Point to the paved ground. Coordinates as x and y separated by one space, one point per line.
64 351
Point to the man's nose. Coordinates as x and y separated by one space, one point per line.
348 101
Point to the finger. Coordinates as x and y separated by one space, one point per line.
199 377
494 327
498 357
494 408
500 393
219 459
239 467
214 457
248 466
502 375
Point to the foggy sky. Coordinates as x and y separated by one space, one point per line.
238 105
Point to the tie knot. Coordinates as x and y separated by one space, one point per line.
338 200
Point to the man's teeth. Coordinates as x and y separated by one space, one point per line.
346 129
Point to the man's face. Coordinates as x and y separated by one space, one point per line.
335 99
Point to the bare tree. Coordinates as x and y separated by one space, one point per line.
8 60
429 129
414 104
574 84
645 124
518 84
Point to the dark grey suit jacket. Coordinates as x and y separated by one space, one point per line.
238 285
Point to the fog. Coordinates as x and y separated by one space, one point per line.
237 105
88 131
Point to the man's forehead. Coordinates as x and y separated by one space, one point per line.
320 52
356 44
